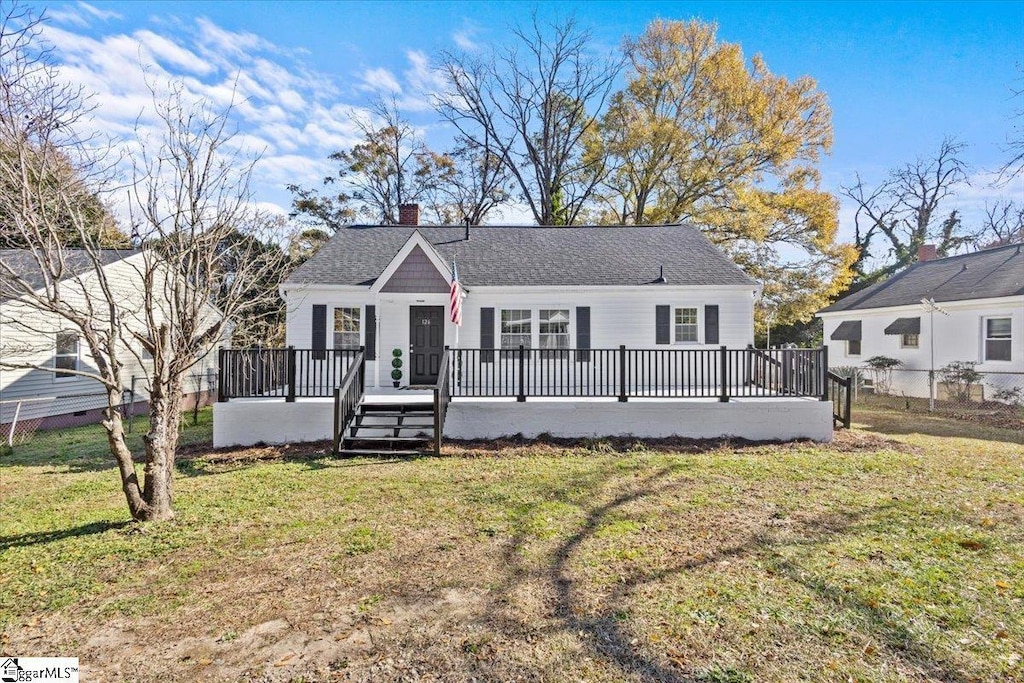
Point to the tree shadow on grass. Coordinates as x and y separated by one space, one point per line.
608 637
43 537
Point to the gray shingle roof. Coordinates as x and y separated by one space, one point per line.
24 265
982 275
532 256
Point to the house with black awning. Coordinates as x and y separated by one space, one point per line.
967 308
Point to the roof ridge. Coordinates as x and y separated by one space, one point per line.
979 252
462 226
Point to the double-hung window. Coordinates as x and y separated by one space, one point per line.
346 328
554 331
686 325
516 328
998 333
66 355
909 341
853 347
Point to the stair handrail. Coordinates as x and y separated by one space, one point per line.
348 396
841 393
442 397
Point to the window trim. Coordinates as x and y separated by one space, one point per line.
905 345
985 339
568 327
359 325
696 325
534 312
501 328
57 375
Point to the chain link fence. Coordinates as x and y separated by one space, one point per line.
22 419
956 390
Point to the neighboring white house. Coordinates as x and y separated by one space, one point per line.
978 317
42 398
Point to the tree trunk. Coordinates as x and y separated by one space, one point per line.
114 426
162 439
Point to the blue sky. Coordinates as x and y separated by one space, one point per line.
900 76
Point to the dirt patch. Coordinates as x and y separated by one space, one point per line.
843 441
851 441
345 643
518 446
253 454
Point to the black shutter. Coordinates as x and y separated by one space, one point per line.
319 337
583 334
711 324
371 333
487 335
663 325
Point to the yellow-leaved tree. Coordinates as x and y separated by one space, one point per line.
700 134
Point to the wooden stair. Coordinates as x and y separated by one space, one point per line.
390 429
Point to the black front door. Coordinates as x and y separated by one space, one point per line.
426 343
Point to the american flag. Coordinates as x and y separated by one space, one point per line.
455 297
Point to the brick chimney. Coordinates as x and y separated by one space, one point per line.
926 252
408 214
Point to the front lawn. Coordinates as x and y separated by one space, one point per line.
895 554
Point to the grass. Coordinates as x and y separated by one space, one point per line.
894 554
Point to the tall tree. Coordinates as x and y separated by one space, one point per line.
172 301
904 212
700 135
390 166
1015 139
480 182
1003 224
537 100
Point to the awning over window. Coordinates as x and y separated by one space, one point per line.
905 326
848 330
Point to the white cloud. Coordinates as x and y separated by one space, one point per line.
101 14
463 38
169 53
79 14
380 80
288 114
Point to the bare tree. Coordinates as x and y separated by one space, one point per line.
1003 224
160 309
536 102
1015 140
904 210
479 184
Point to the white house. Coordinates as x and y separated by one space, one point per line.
561 328
978 317
42 398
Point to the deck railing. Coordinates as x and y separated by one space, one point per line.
623 373
522 373
289 373
839 391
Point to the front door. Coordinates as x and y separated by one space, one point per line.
426 343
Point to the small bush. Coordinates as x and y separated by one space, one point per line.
960 376
881 368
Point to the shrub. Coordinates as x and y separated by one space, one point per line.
960 376
396 363
881 369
